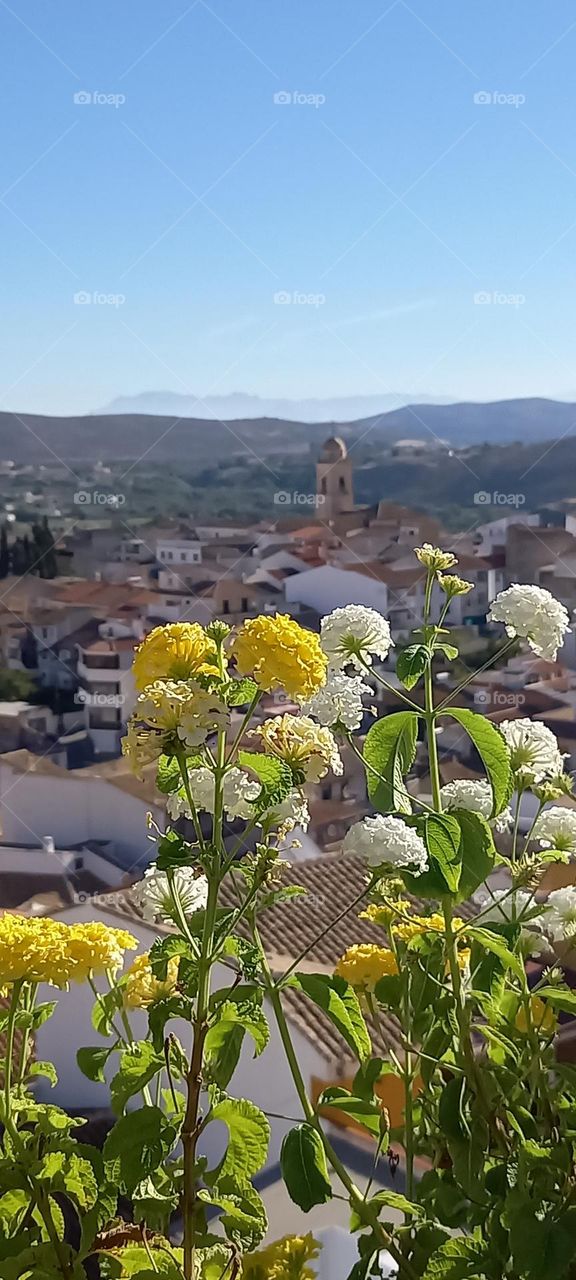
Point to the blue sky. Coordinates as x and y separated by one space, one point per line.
381 199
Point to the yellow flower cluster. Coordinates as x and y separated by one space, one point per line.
142 988
306 746
40 949
434 558
174 652
406 929
285 1259
542 1017
280 654
362 966
171 714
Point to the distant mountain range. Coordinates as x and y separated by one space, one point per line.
205 441
240 406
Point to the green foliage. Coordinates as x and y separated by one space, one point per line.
275 776
411 664
304 1167
389 752
492 750
339 1002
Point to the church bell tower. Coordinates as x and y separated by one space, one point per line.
334 487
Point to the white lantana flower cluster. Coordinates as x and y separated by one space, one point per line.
387 840
474 795
155 894
501 907
339 702
532 614
558 920
238 793
309 748
352 635
534 752
556 829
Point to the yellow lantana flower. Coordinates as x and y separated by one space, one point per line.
174 652
142 988
280 654
171 715
363 965
542 1016
405 930
307 747
39 949
285 1259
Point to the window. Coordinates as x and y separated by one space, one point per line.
323 486
244 604
225 606
183 555
342 484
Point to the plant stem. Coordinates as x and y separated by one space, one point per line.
38 1192
366 1213
14 1002
191 1126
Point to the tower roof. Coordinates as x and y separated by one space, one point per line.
333 450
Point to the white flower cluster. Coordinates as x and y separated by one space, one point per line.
155 894
534 752
504 907
339 701
533 614
238 791
387 840
558 920
475 796
350 636
556 829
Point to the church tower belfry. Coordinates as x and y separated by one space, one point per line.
334 483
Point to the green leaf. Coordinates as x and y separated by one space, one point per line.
559 998
168 776
68 1172
46 1069
366 1113
223 1046
135 1262
459 1259
304 1167
275 775
389 753
411 664
478 851
492 750
137 1144
244 1217
103 1012
173 851
139 1063
92 1061
248 1138
240 692
443 841
341 1005
395 1200
496 944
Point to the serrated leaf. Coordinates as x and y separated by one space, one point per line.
304 1167
244 1217
456 1260
274 774
92 1060
559 998
341 1005
492 750
137 1144
496 944
240 692
443 841
478 851
248 1138
139 1064
168 776
389 753
411 664
366 1112
46 1069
